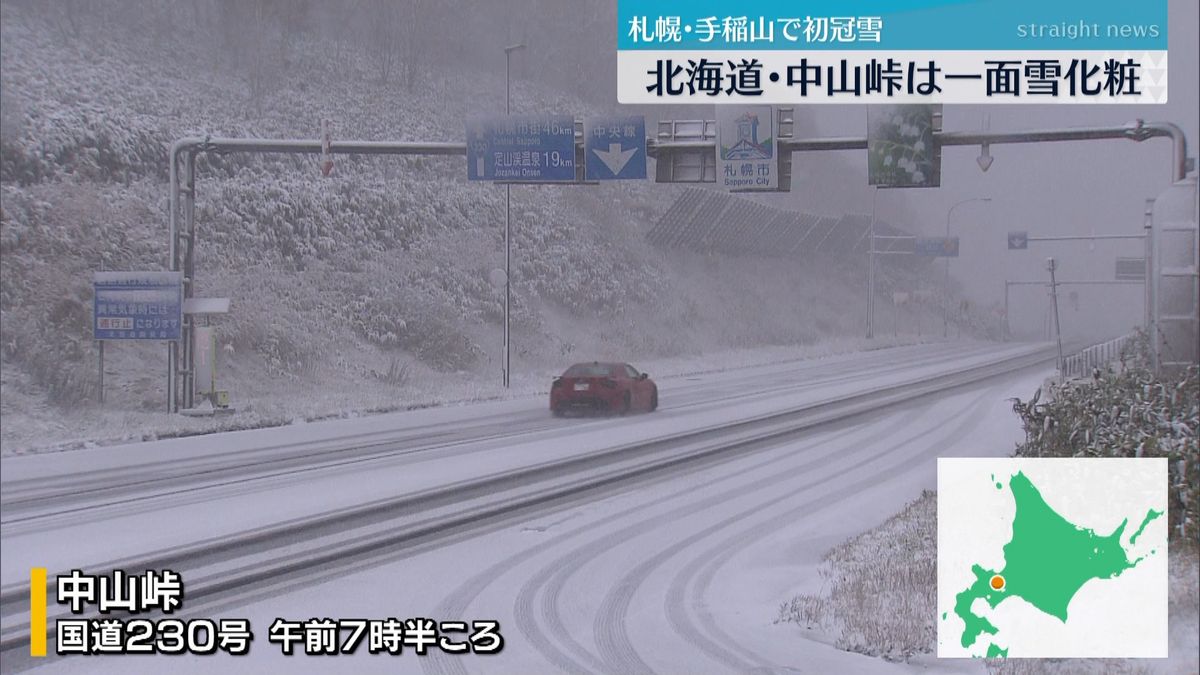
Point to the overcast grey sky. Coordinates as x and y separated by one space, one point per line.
1055 188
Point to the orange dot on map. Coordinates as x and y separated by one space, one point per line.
997 582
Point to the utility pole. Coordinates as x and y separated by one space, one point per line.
1050 265
508 225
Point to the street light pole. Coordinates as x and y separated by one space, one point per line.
508 223
946 275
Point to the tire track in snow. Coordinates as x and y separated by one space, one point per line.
466 593
610 625
106 493
705 565
555 575
457 603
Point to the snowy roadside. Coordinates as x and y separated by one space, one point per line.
894 566
30 427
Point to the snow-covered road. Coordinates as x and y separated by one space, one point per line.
683 573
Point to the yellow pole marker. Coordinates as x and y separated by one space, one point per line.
37 611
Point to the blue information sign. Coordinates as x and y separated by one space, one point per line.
137 305
532 149
615 147
938 246
1018 240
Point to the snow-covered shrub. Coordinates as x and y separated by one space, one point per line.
386 253
398 373
285 354
880 598
1126 411
416 325
51 238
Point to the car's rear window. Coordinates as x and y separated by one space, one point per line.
588 370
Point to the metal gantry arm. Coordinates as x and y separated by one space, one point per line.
1140 131
183 155
182 206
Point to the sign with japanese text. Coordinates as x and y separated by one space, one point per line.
530 149
616 147
892 51
900 147
746 152
137 305
94 616
940 247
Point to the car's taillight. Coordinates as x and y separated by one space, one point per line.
611 384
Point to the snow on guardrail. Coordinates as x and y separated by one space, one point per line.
1097 356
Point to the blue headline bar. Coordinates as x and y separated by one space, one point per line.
912 25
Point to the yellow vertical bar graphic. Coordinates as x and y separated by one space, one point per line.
37 611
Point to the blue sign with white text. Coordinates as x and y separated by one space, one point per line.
615 147
530 148
943 247
137 305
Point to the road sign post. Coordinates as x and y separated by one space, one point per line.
680 158
746 148
521 149
135 306
615 147
901 151
937 247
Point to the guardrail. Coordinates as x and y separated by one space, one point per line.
1096 356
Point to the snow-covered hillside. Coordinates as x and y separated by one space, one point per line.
372 282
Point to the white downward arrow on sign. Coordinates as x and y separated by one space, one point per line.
984 160
614 158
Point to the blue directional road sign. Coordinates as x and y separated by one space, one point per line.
137 305
942 247
615 147
1018 240
527 149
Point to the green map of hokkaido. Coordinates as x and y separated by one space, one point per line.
1046 563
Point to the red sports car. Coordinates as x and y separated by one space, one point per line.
602 387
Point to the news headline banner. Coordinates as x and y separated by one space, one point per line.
892 51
